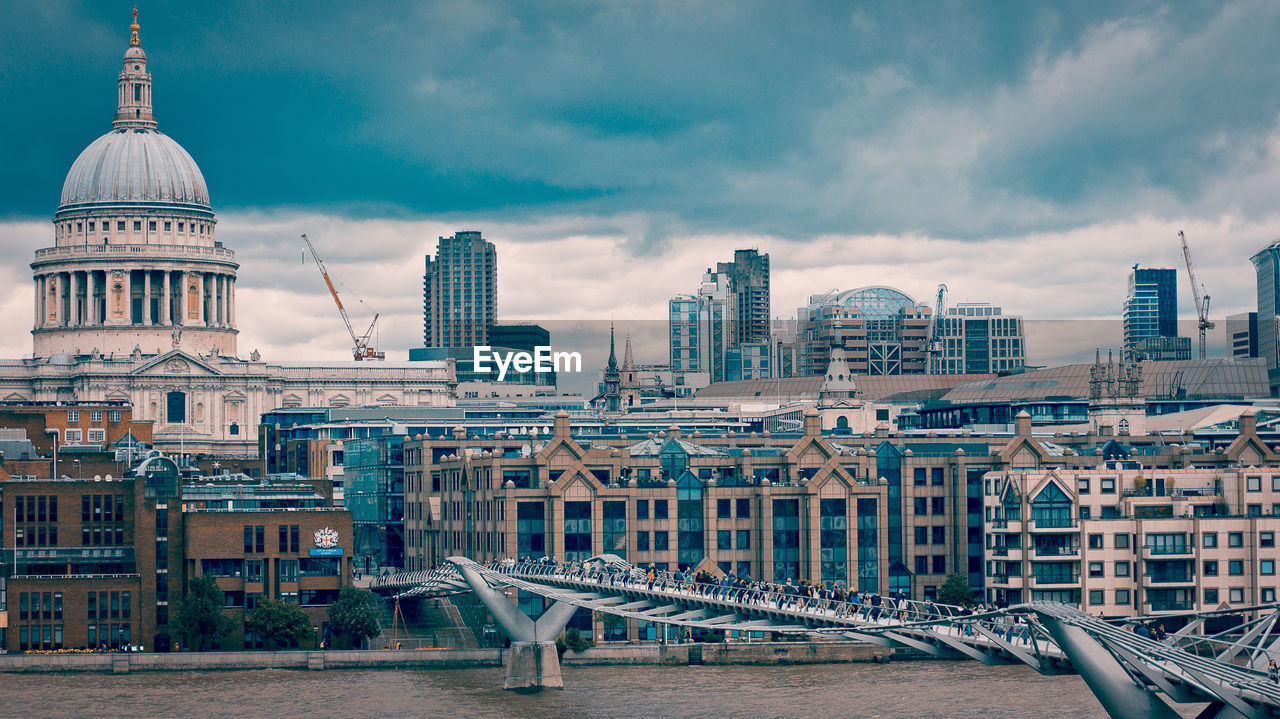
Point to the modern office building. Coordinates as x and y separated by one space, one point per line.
749 280
459 292
1267 265
1242 335
882 331
373 489
1150 317
704 328
977 338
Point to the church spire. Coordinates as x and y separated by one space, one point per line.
627 362
134 98
613 359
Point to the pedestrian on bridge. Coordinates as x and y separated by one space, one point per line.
1273 672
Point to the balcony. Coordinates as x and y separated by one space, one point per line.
1168 550
1008 581
1057 551
1054 523
110 252
1163 606
1169 578
1056 581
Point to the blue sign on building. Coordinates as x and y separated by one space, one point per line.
326 551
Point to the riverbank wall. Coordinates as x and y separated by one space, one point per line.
757 653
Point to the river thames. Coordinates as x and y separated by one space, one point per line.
901 689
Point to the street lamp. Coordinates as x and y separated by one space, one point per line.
54 433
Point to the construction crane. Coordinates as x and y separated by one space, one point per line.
361 349
1197 291
934 349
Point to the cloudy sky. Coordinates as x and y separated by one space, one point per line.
1026 154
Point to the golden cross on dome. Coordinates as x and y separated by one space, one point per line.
133 38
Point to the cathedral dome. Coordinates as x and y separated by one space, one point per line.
134 165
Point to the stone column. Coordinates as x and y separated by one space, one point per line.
73 288
90 307
217 300
146 297
202 319
231 300
39 295
128 297
182 298
166 305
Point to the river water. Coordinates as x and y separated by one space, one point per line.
818 691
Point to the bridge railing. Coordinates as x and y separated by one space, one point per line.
869 607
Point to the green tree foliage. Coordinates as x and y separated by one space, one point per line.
354 616
279 623
956 590
198 617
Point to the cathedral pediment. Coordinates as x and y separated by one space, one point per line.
175 363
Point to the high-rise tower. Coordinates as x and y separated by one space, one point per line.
459 292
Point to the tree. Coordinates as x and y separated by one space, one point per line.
279 623
354 616
198 617
956 590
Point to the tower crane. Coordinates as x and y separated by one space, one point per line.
361 349
934 348
1203 322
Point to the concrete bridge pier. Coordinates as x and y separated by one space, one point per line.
532 661
532 667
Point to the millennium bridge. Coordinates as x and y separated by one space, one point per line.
1131 675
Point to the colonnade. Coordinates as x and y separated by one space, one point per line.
79 298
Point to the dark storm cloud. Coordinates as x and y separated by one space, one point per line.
782 118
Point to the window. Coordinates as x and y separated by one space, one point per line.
95 416
744 539
1096 570
723 507
1266 539
113 415
288 571
120 225
938 476
724 539
660 540
1082 486
920 476
939 505
1108 485
660 508
744 508
642 541
921 506
642 509
1253 484
1267 567
939 564
1122 541
1086 513
939 535
1211 569
1235 567
922 564
73 416
1236 596
1235 539
1210 540
1095 541
73 436
1211 595
1095 596
1122 597
1122 569
922 535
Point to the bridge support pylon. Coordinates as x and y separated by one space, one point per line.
532 661
1119 694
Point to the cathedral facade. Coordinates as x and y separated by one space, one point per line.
135 302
